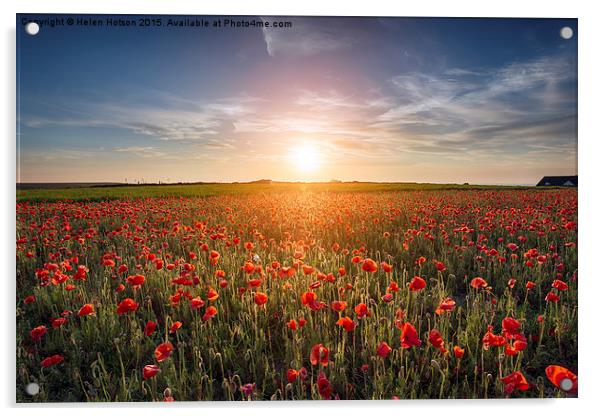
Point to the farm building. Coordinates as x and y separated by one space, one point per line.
558 181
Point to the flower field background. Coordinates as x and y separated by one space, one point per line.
303 294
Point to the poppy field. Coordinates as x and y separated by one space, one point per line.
298 295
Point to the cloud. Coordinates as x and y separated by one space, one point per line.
307 37
140 151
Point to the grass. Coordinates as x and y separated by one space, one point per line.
97 193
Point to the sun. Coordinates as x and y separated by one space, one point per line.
305 157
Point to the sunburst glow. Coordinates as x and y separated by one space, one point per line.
306 157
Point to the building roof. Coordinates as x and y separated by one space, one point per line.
558 181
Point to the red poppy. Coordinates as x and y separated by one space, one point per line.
383 349
87 309
478 282
440 266
291 375
446 305
387 268
176 325
409 336
52 360
387 298
369 266
58 322
417 284
324 387
127 305
437 341
562 378
307 270
163 351
260 298
135 280
197 303
458 352
292 324
150 370
492 340
319 354
150 328
38 332
515 381
510 326
210 312
362 310
560 285
347 323
212 294
552 297
29 299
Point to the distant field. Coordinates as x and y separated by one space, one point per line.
80 193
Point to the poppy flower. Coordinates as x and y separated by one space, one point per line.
307 270
530 285
163 351
515 381
260 298
308 298
362 310
29 299
176 325
197 303
440 266
150 328
58 322
52 360
347 323
510 326
369 265
478 282
38 332
387 268
437 341
446 305
383 349
319 355
135 280
87 309
338 305
324 387
292 324
409 336
552 297
127 305
417 284
560 285
492 340
458 352
387 298
291 375
212 294
210 312
150 370
562 378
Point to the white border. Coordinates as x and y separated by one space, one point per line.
590 216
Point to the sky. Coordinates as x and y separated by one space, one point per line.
483 101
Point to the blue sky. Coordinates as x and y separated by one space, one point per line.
380 99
